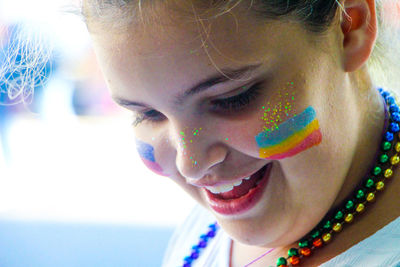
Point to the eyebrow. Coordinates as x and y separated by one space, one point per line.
202 85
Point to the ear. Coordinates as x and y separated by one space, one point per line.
359 28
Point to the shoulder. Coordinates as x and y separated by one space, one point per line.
380 249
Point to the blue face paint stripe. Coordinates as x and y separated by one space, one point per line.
286 129
145 150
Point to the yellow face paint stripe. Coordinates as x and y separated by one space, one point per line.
292 141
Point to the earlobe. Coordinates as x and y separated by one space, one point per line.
359 30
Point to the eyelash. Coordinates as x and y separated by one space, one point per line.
234 103
238 102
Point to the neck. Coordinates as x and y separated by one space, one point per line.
371 130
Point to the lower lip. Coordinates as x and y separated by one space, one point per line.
243 203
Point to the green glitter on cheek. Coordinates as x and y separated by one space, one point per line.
272 114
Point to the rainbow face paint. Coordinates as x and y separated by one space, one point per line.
290 137
146 153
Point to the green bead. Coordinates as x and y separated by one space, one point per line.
349 204
386 146
360 194
293 252
328 225
384 158
281 261
315 234
339 215
369 183
304 243
377 170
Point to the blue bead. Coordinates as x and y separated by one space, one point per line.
388 136
390 100
394 127
394 108
385 94
395 116
380 89
211 233
202 244
204 237
212 226
188 259
194 255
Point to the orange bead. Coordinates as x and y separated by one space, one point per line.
282 266
294 260
317 242
305 251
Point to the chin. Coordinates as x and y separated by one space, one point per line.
247 231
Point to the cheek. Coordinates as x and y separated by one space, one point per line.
146 153
291 137
240 136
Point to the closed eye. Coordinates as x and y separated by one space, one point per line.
237 102
234 103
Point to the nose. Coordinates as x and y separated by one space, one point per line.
198 152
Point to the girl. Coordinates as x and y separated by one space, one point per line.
273 115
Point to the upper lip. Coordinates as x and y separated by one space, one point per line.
213 181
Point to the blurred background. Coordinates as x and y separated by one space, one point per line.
73 191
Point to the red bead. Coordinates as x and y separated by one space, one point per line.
305 251
282 266
294 260
317 242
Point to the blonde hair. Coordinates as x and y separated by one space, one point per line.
316 16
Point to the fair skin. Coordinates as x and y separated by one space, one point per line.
150 66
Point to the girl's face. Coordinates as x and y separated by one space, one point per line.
282 109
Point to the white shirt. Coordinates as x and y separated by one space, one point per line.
381 249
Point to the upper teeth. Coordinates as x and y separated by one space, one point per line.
225 187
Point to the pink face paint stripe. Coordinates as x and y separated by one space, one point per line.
292 141
313 139
146 153
153 166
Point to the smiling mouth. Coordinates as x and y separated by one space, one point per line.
242 197
243 188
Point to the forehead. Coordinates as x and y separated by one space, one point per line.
175 54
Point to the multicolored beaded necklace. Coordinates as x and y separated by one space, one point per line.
381 171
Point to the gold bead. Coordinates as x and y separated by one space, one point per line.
388 173
349 218
337 227
395 159
360 207
370 197
326 237
397 147
380 185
